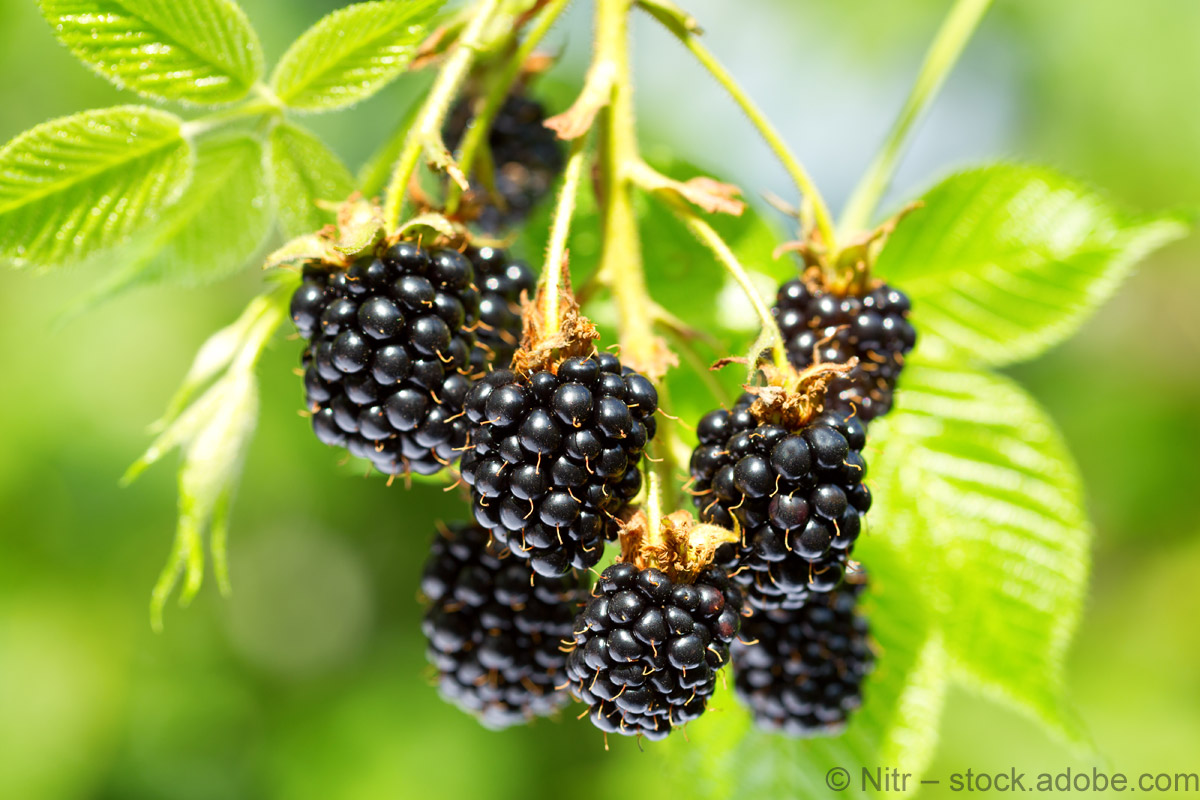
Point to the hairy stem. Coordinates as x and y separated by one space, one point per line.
943 53
770 335
426 132
814 202
621 261
556 250
497 93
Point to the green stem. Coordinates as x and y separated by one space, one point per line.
555 265
497 93
621 261
265 104
943 53
426 131
804 183
770 334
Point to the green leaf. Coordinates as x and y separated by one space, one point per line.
196 51
351 54
979 481
222 221
75 185
305 171
212 433
1004 262
725 756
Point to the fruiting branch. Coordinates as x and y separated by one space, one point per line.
814 209
425 136
556 250
943 53
498 91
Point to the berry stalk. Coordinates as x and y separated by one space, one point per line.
769 335
425 134
556 250
814 204
943 53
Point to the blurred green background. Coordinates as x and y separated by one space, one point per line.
310 682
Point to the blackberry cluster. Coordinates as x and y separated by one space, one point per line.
501 281
797 496
647 650
874 328
803 670
389 353
495 630
553 457
527 157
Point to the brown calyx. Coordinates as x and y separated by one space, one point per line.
791 398
846 272
681 547
542 349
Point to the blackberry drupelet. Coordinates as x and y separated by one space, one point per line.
495 630
796 496
553 457
647 649
836 327
803 670
501 282
527 156
389 350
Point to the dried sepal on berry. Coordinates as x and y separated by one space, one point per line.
681 547
791 398
542 349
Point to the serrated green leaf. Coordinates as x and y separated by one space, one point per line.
76 185
1004 262
351 54
978 479
197 51
725 756
305 171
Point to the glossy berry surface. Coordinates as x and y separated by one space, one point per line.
796 496
801 672
495 631
874 328
501 281
647 650
552 458
388 361
527 156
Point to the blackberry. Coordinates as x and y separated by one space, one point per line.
647 649
495 630
797 497
873 327
553 456
389 351
801 673
527 157
501 282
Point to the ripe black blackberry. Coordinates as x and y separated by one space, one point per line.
501 281
389 351
837 326
647 649
495 630
527 157
802 672
796 494
553 456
